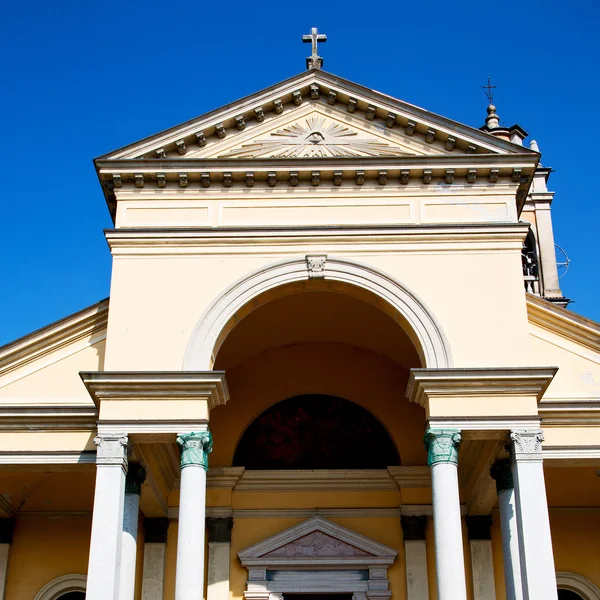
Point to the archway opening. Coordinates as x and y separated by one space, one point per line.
568 595
315 432
72 596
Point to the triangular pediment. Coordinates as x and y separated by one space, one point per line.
317 539
334 116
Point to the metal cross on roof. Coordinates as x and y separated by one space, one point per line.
314 61
489 87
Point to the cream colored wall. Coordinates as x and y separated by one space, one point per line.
55 377
477 298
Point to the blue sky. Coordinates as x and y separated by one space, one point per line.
83 78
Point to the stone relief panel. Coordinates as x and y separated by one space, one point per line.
315 136
316 544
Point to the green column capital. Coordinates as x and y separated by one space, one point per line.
136 475
195 448
442 446
502 474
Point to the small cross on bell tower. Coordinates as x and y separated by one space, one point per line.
314 61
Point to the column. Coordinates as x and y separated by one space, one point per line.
547 252
133 488
219 549
107 522
189 578
6 534
533 521
502 473
155 552
442 448
482 562
415 551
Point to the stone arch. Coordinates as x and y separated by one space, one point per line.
419 323
62 585
578 584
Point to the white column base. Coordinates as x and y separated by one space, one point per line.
417 583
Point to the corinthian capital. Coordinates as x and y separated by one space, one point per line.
526 445
111 449
195 448
442 445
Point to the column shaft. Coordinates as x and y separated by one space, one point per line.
107 522
533 521
219 551
415 551
6 534
482 562
447 526
501 472
189 578
135 477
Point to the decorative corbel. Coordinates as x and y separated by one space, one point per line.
360 177
220 130
471 175
382 177
391 120
278 106
293 178
160 153
426 176
297 97
117 180
181 146
337 177
404 176
314 91
449 176
139 180
516 175
249 179
351 106
315 178
331 97
272 179
450 143
410 127
227 179
201 139
430 135
494 173
240 123
161 180
183 180
259 114
370 114
205 179
471 149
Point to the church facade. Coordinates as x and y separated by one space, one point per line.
335 361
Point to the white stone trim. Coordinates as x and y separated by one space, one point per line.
424 330
582 455
577 583
365 574
61 585
47 458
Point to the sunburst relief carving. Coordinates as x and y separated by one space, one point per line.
315 137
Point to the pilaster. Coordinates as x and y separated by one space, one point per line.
155 550
6 536
219 549
415 551
482 562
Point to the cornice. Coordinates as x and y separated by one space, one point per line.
167 240
563 322
425 383
157 385
75 327
583 412
65 416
